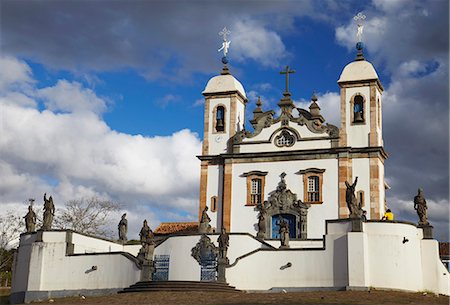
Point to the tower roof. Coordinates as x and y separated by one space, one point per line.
224 83
358 70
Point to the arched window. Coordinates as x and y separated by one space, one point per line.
358 109
220 118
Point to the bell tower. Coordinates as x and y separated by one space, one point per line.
224 116
361 133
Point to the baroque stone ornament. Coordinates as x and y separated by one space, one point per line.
204 250
49 213
420 205
204 226
282 201
30 218
123 228
352 203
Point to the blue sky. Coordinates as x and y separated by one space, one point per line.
103 98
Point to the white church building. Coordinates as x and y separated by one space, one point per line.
290 165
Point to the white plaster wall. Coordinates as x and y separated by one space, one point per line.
310 268
87 244
380 113
182 266
244 218
435 276
216 147
44 265
299 244
361 169
392 263
381 187
73 272
213 189
240 116
357 135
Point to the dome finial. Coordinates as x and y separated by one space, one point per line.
225 46
359 18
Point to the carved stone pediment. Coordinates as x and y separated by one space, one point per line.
282 201
204 250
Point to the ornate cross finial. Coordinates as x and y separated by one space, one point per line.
287 72
283 174
31 200
359 18
225 44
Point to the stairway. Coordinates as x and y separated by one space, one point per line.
151 286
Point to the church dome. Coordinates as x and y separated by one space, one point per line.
358 70
224 83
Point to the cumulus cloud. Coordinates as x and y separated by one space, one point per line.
67 150
71 97
253 41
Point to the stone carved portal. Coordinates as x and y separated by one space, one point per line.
282 203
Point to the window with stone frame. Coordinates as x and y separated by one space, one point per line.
255 187
312 185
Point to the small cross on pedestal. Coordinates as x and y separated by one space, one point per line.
287 72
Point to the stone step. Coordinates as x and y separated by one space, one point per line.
149 286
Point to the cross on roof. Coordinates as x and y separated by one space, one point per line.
287 72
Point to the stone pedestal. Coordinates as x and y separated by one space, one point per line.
427 231
222 263
147 270
357 224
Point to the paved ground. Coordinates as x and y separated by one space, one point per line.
300 298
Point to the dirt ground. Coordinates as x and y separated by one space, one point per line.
303 298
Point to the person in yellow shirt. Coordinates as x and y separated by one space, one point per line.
388 215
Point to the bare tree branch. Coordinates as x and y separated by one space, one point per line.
87 215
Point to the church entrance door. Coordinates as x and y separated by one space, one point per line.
290 219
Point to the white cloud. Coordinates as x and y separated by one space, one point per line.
76 154
18 73
71 97
251 40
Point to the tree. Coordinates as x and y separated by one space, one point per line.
11 225
87 215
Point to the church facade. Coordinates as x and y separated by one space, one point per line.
292 179
241 170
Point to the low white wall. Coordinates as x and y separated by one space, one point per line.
42 265
267 269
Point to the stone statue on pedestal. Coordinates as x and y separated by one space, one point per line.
145 255
262 219
224 243
49 213
284 233
420 205
123 229
352 203
30 218
204 226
